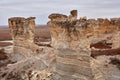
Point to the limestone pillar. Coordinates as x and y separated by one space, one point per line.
71 49
22 31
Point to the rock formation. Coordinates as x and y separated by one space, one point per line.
72 52
73 15
69 55
71 40
22 31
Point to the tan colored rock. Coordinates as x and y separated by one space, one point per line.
22 28
116 40
57 17
72 51
22 31
69 58
72 64
70 36
83 18
73 15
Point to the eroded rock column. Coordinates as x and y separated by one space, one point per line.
71 48
22 31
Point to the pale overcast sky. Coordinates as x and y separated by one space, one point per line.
42 8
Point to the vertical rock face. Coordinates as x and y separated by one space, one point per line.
72 37
72 52
82 32
22 31
22 28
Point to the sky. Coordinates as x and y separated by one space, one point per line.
42 8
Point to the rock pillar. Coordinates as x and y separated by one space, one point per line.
71 49
22 31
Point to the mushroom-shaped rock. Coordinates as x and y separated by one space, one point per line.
57 17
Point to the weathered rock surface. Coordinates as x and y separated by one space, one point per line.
38 67
72 57
106 67
72 37
22 31
69 34
69 56
72 65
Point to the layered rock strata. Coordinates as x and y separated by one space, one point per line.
71 39
22 31
72 42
